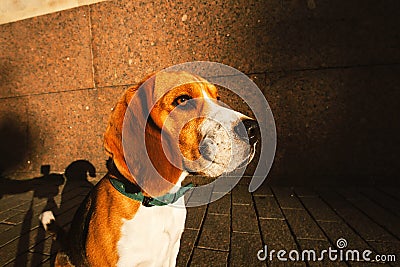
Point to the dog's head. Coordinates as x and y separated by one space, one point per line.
185 128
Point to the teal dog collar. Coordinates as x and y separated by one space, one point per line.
163 200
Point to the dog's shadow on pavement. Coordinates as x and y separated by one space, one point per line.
34 246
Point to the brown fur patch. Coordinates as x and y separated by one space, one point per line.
105 225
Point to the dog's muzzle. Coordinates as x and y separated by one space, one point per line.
248 130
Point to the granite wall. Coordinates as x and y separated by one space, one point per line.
329 70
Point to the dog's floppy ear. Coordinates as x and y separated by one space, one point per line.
146 158
113 134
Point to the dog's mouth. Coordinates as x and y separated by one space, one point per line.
249 158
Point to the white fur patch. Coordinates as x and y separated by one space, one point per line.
46 218
152 237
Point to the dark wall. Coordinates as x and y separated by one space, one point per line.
337 126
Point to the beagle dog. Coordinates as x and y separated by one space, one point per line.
131 218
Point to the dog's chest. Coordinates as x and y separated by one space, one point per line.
151 237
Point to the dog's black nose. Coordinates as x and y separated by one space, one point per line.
248 130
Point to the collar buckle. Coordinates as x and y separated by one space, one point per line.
146 201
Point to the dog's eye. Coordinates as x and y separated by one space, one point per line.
182 100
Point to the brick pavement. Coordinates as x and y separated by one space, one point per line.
231 230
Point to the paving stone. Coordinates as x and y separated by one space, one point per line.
73 202
244 249
201 197
267 207
48 246
16 219
277 236
368 229
195 217
10 234
18 190
241 195
263 190
5 227
203 257
244 219
317 246
11 203
245 179
224 185
382 199
286 198
305 192
49 262
29 259
74 196
23 243
13 249
304 227
216 240
188 241
221 206
378 214
4 197
16 231
215 233
25 206
319 210
4 215
66 218
338 230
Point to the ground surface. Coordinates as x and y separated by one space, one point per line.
230 231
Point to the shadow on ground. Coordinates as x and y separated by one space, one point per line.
73 185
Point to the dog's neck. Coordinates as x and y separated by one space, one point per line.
133 191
